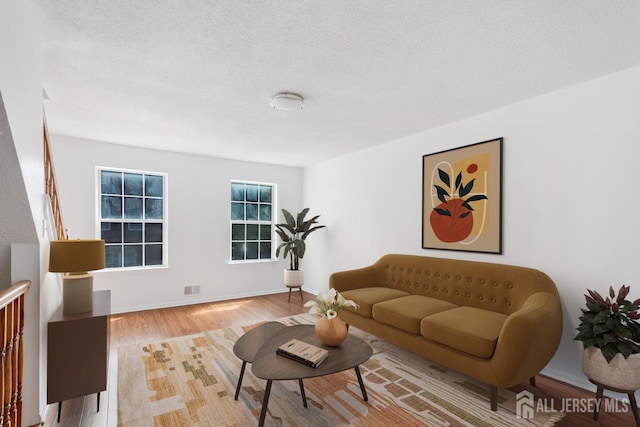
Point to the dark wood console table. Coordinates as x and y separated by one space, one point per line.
78 352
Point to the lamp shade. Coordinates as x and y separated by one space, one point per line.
71 256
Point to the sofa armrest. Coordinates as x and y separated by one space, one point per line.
528 340
353 279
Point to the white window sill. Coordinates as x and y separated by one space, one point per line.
120 269
252 261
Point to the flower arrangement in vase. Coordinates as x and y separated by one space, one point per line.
330 329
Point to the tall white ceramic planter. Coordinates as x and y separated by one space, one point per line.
620 373
293 277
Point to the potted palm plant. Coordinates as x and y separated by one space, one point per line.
293 234
610 333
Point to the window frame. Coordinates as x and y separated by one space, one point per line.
272 223
164 220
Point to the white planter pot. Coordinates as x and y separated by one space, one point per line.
620 373
293 277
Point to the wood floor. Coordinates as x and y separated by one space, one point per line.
130 328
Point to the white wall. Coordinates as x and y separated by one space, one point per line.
199 215
570 204
16 223
21 88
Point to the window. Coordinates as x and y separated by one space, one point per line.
252 207
132 217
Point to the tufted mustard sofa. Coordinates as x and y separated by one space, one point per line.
499 324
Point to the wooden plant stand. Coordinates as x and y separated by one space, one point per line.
630 393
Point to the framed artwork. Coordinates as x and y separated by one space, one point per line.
462 198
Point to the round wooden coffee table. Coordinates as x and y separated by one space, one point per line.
271 367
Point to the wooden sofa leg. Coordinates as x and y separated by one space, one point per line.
493 396
532 381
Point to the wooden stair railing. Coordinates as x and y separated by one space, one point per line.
12 356
51 187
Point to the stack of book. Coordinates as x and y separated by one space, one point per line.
303 352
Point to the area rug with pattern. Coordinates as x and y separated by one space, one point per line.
191 380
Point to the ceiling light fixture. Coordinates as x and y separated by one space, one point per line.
286 101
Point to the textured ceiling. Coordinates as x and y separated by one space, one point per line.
197 76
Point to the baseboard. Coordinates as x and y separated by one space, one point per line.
199 301
574 380
580 382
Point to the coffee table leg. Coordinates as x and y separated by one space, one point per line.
244 364
304 396
265 403
364 392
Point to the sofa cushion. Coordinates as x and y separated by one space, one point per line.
367 297
406 312
468 329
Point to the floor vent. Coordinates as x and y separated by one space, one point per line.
192 290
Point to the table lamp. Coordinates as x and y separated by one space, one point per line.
75 258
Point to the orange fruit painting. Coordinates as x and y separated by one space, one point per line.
452 220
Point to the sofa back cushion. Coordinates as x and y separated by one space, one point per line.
406 313
495 287
366 298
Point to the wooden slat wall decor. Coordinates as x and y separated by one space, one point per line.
12 353
51 187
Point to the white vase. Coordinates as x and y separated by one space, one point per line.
293 277
620 373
